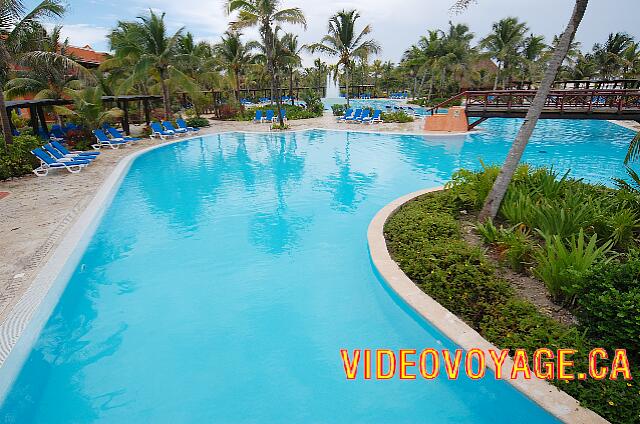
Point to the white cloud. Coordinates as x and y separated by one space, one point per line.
83 34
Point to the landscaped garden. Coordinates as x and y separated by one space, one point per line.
575 242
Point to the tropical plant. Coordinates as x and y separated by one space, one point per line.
22 39
88 110
147 47
504 44
234 56
561 265
346 43
264 14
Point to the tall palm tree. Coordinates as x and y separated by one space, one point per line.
293 60
533 49
494 199
503 44
21 41
234 56
609 56
344 41
146 45
264 14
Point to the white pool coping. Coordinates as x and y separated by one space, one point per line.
555 401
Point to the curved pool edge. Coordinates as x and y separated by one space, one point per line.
24 322
556 402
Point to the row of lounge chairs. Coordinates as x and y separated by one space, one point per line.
361 116
54 155
268 116
399 96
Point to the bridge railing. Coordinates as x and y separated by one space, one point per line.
558 100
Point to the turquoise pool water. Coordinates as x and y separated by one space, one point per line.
229 271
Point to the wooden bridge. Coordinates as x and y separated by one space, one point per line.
560 104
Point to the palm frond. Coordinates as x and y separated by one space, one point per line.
634 150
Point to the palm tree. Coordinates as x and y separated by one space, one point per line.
88 109
234 56
264 14
293 60
609 56
533 49
146 45
503 44
21 42
345 42
494 199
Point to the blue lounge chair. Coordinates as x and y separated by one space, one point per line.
80 154
169 127
346 115
284 115
374 119
270 115
182 124
158 131
363 118
356 115
64 158
104 141
117 134
258 119
47 163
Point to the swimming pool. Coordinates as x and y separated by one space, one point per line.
229 270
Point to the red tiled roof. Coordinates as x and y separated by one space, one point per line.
86 54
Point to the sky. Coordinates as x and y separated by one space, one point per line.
396 23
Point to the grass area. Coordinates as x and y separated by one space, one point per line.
424 237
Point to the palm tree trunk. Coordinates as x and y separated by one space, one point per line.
346 94
291 86
430 89
493 201
236 75
495 81
166 101
4 118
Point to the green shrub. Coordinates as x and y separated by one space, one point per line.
198 122
338 110
293 112
424 239
472 188
16 160
561 265
396 117
314 104
609 304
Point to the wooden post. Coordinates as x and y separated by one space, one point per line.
33 117
125 117
43 120
147 111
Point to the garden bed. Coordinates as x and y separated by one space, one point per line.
426 237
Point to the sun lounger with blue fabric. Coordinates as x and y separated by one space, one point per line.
270 115
64 158
364 117
356 115
169 127
80 154
47 163
347 114
182 124
104 141
374 119
158 131
114 133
